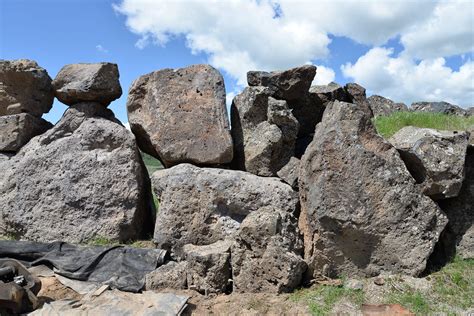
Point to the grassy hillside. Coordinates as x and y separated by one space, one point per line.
152 164
389 125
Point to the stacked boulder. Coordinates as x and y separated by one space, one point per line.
25 94
83 178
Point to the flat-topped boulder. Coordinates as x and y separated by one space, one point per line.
179 115
434 158
361 212
381 106
82 179
98 82
25 87
16 130
287 84
438 107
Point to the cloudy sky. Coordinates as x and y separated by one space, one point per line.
405 50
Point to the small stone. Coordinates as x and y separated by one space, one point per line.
354 284
379 281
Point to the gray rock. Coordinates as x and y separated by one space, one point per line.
308 111
434 158
329 92
355 93
266 256
16 130
381 106
25 87
287 84
201 206
458 237
470 111
289 173
171 275
208 267
354 284
82 179
438 107
264 132
180 116
77 83
361 213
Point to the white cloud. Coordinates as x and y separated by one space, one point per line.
324 75
101 49
402 79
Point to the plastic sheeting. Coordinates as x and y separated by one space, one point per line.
120 267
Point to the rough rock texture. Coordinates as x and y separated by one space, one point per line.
203 205
434 158
438 107
180 116
264 132
361 213
266 253
329 92
82 179
289 173
355 93
25 87
208 267
171 275
17 129
458 236
287 84
470 111
381 106
77 83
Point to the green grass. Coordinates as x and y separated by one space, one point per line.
151 163
415 301
322 298
389 125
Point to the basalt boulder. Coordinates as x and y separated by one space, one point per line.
201 206
179 115
438 107
17 129
82 179
25 87
381 106
434 158
355 93
98 82
361 212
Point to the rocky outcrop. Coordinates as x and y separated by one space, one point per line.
266 253
355 93
179 115
80 180
171 275
434 158
381 106
201 206
77 83
329 92
361 213
16 130
470 111
25 87
438 107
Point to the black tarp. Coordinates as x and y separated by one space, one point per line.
121 267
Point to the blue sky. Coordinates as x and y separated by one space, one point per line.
375 45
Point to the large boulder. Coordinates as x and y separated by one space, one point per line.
361 213
82 179
25 87
355 93
287 84
77 83
330 92
179 115
16 130
434 158
266 256
381 106
438 107
264 132
201 206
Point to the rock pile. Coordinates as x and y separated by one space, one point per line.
314 193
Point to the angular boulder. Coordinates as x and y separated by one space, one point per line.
77 83
180 116
381 106
266 255
361 213
171 275
16 130
287 84
329 92
434 158
201 206
355 93
438 107
290 172
82 179
25 87
264 132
